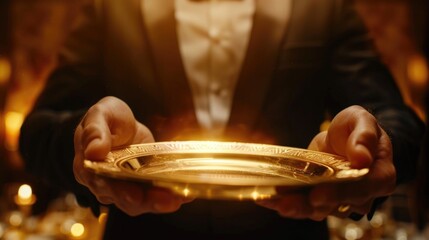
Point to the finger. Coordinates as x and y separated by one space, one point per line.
328 196
135 198
108 123
345 210
127 195
106 200
81 174
363 208
84 136
319 214
143 134
291 205
354 133
376 184
153 200
162 200
325 206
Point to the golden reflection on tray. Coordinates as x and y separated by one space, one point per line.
224 170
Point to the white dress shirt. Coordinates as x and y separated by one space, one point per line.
213 38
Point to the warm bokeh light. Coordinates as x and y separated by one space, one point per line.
255 195
15 219
77 230
418 71
25 195
186 192
13 122
5 70
25 191
325 125
2 230
102 218
377 220
352 232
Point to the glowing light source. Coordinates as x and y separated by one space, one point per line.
77 230
186 192
255 195
325 125
25 191
353 232
418 71
15 219
13 122
377 220
102 218
25 195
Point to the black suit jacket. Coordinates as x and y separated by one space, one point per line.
298 71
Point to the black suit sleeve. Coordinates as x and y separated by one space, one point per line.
359 77
46 138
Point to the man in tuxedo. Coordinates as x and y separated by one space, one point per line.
263 71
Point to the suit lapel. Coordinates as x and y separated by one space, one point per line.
269 24
160 25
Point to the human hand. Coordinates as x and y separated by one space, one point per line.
111 123
354 134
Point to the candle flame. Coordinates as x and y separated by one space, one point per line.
25 196
25 191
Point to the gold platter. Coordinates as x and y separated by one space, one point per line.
224 170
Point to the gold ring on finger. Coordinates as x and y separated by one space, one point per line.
343 208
